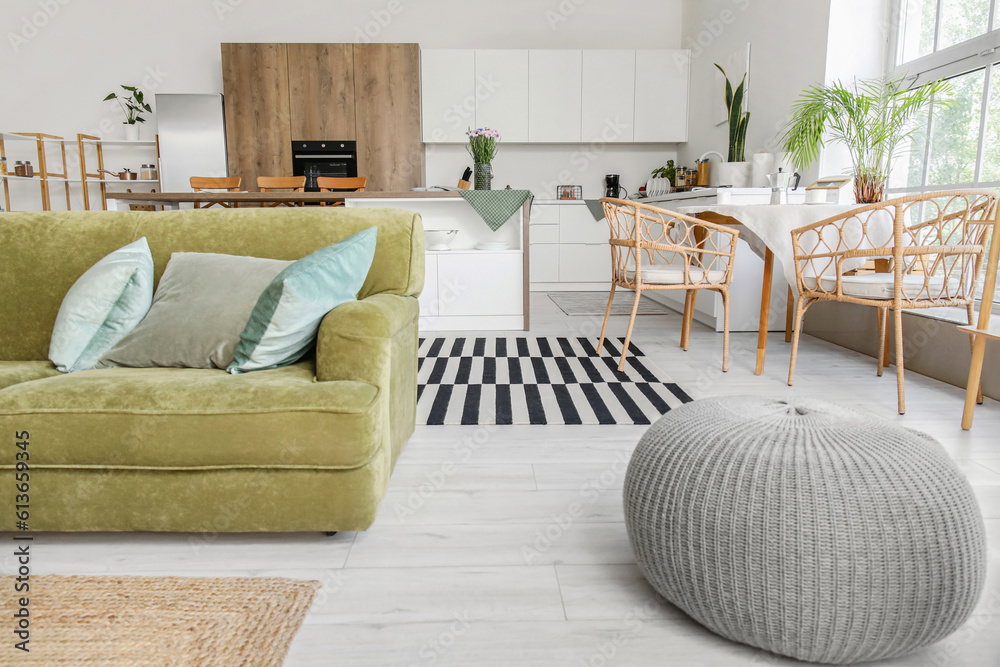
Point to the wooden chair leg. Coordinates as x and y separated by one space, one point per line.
799 313
883 315
725 331
899 359
628 334
607 315
972 342
689 301
789 315
975 378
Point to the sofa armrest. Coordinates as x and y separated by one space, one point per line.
355 339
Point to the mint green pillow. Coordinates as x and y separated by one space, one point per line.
102 307
284 323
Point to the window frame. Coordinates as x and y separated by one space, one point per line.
981 52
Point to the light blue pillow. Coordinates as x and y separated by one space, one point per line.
284 323
102 307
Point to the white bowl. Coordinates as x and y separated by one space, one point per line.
439 239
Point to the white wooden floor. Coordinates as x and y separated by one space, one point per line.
481 563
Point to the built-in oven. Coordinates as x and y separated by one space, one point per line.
324 158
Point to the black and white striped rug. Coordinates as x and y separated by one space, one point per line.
552 380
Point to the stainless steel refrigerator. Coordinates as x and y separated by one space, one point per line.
192 131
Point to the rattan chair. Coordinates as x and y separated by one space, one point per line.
653 249
225 183
935 246
341 184
272 183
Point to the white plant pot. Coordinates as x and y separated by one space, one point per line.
735 174
132 132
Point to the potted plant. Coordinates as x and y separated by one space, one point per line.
872 118
736 170
483 148
133 106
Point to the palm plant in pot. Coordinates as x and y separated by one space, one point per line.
736 170
873 118
133 105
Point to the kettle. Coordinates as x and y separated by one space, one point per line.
781 182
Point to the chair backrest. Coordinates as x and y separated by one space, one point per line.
347 184
228 183
667 238
270 183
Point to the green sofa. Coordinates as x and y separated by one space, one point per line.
309 447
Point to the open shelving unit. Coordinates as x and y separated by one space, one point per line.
43 175
88 178
46 178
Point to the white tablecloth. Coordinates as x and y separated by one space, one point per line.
771 226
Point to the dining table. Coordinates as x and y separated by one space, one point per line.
172 200
767 229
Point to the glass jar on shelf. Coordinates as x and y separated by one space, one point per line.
29 171
19 169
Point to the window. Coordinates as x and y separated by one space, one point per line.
957 40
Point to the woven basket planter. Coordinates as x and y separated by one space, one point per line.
804 528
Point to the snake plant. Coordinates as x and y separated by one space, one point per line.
738 120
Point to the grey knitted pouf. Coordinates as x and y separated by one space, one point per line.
804 528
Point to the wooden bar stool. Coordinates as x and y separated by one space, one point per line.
272 183
341 184
227 184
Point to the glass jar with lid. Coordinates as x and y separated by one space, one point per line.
29 171
19 169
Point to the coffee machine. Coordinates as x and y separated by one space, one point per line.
613 187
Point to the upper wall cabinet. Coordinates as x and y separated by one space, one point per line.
321 76
502 92
609 101
663 80
554 96
448 92
557 96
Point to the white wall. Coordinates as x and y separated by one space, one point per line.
788 41
63 56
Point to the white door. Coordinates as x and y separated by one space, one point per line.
502 92
448 94
554 96
661 95
608 96
481 283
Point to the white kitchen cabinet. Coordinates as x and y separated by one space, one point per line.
554 96
481 283
544 262
662 95
447 94
609 96
577 225
502 92
585 263
544 233
428 298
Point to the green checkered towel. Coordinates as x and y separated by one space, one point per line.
496 207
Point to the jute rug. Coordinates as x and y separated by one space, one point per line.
595 303
157 621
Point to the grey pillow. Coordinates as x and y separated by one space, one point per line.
200 307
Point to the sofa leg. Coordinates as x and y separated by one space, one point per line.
329 533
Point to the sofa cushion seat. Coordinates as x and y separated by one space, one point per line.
16 372
180 419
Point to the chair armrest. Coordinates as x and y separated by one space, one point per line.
355 338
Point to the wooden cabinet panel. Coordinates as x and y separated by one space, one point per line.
661 95
258 136
321 91
502 92
554 94
387 111
448 94
608 96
